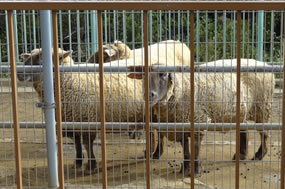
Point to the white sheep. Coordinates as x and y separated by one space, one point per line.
174 52
215 101
115 51
80 99
261 87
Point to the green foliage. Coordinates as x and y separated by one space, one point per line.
215 32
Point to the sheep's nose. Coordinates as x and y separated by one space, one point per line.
153 94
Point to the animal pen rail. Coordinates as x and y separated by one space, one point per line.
151 15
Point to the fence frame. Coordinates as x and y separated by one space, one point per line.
146 6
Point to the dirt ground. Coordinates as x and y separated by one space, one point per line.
126 168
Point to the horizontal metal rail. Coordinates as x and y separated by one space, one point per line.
143 5
162 126
95 68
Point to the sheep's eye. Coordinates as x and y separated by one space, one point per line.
162 75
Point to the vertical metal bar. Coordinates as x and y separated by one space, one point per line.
60 30
25 31
16 36
106 26
58 101
146 82
169 25
69 29
187 30
78 35
93 32
160 26
34 29
224 33
243 33
133 30
238 100
192 98
87 35
260 35
179 25
252 35
15 100
45 24
150 26
7 35
197 36
282 174
124 26
102 102
272 36
115 25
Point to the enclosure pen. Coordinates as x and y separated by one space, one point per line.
120 132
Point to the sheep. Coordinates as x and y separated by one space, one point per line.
80 99
215 96
111 52
261 87
175 52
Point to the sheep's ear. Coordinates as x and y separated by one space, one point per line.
135 75
171 76
25 56
110 52
67 53
136 69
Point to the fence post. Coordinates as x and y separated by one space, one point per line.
49 105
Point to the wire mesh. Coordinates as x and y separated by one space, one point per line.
215 48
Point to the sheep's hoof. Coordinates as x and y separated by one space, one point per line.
77 164
186 169
241 157
156 156
89 169
152 156
258 156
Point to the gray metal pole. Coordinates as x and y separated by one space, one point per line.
49 108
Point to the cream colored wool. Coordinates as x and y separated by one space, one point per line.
80 95
259 85
174 52
215 100
115 51
256 97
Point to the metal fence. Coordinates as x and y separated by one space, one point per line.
241 30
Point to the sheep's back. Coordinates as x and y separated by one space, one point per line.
81 97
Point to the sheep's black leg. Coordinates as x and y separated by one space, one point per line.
88 139
262 148
185 167
79 155
243 146
198 140
186 163
78 147
159 149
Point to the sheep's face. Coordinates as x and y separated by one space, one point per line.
35 58
159 83
109 54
